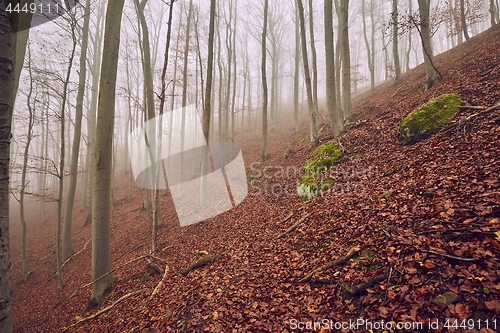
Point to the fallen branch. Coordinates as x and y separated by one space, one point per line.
287 218
293 227
160 284
451 126
352 252
449 256
106 309
77 253
200 263
359 288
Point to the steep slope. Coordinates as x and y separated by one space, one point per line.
419 219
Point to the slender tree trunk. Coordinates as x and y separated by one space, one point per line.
371 65
425 36
463 22
67 249
101 238
29 137
346 60
296 73
207 107
264 81
307 76
395 38
314 65
62 154
331 97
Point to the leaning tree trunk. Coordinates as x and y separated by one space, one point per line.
101 238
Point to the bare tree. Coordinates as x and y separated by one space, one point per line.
343 13
370 50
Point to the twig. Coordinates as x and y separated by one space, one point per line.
293 227
287 218
106 309
352 252
160 284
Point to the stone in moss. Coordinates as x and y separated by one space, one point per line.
428 119
323 158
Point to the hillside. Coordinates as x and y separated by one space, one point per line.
423 218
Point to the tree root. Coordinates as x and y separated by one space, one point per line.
359 288
293 227
106 309
449 256
352 252
200 263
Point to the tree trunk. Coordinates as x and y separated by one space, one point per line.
101 247
371 65
67 249
296 73
207 107
425 35
307 75
264 82
463 22
62 154
314 65
29 137
331 97
7 98
395 38
346 60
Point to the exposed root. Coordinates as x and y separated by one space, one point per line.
359 288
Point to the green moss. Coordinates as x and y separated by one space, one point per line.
428 119
323 158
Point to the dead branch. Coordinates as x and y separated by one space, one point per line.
287 218
200 263
293 227
451 126
449 256
160 284
352 252
359 288
106 309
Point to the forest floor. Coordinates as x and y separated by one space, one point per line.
419 221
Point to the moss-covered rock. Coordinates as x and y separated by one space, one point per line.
428 119
323 158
